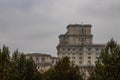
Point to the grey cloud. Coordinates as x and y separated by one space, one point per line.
34 25
108 9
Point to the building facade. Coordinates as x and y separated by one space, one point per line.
43 61
77 44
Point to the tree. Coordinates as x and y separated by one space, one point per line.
24 68
17 67
63 70
5 63
108 65
31 70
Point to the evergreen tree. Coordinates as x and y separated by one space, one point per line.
17 67
108 65
63 70
14 61
31 70
24 68
5 65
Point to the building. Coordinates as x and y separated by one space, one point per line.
77 44
43 61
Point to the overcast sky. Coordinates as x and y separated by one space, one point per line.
34 25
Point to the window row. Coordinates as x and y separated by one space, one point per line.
80 49
89 58
71 49
78 53
71 53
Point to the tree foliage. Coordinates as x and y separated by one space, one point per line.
17 67
108 65
63 70
4 63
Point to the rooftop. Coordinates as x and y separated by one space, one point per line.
79 25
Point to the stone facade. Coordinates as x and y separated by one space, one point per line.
77 44
43 61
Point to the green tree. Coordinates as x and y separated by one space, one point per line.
14 62
63 70
24 68
17 67
31 67
5 64
108 65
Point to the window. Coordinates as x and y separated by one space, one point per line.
89 53
73 57
89 49
63 53
37 59
43 60
68 49
52 61
97 53
89 62
38 67
73 49
82 43
80 53
80 49
80 57
89 57
63 49
68 53
73 61
82 31
73 53
97 57
82 39
96 49
80 62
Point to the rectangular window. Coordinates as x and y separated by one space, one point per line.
37 59
73 57
73 49
73 61
73 53
89 49
97 53
89 62
80 62
89 53
80 49
63 49
43 60
68 49
80 53
52 61
80 57
89 57
96 49
97 57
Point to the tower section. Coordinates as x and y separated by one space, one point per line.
77 34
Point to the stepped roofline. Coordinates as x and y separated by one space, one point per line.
79 25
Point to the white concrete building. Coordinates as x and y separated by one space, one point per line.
43 61
77 44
